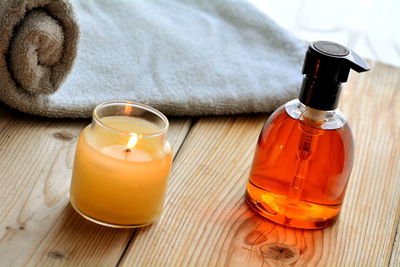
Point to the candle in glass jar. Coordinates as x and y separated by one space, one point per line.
120 171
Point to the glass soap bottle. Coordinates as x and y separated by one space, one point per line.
304 153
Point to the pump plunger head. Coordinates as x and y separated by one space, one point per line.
326 67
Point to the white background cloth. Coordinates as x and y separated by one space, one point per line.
369 27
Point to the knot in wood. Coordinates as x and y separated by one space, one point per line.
281 252
64 136
56 254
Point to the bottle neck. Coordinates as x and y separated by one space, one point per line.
320 94
321 119
314 115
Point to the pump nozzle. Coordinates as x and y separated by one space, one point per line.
356 62
326 67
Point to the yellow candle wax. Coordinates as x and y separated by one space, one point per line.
120 180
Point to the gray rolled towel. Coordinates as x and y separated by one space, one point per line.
38 46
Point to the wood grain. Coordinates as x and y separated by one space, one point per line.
207 223
37 224
372 213
204 198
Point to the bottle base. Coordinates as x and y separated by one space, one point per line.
108 224
300 222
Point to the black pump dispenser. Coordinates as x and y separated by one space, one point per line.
326 67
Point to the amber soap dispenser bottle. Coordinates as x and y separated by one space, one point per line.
304 154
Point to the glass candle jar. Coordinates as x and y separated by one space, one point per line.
121 167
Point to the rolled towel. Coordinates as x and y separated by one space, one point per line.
38 46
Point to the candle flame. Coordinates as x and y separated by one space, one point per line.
132 141
128 109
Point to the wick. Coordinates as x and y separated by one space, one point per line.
127 150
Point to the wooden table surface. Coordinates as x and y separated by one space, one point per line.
205 221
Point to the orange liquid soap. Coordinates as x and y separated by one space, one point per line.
300 173
304 154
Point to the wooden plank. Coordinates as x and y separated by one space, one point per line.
37 224
205 190
207 223
373 199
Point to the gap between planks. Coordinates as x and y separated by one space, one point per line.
37 225
191 121
395 255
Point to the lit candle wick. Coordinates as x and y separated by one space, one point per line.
127 151
131 144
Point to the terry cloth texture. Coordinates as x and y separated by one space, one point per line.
183 57
38 44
